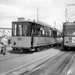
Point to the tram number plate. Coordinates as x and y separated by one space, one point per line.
20 39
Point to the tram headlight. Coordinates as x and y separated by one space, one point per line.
14 43
73 41
70 42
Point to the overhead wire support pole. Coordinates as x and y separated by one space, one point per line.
66 14
37 14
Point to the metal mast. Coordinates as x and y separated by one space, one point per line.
37 14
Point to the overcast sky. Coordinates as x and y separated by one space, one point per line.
48 10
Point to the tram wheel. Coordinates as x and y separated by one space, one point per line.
21 51
65 48
38 49
4 53
51 46
14 49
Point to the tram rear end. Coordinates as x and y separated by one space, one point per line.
69 35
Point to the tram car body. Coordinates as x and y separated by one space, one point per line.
57 36
31 35
68 35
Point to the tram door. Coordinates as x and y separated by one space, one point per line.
32 34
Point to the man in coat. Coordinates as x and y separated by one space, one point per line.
4 42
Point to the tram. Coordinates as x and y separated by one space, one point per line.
68 35
30 35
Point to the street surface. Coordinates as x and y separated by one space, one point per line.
14 62
54 67
52 61
71 71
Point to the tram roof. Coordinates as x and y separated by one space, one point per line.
40 23
69 23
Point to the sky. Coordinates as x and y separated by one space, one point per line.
51 12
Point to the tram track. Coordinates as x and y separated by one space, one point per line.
10 56
7 57
54 67
33 65
4 58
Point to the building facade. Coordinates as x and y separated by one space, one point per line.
5 31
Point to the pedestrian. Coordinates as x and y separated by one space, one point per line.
4 42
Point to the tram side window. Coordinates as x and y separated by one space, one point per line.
39 30
49 32
54 33
58 34
46 33
14 29
43 32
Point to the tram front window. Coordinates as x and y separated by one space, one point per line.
69 30
21 29
14 29
26 29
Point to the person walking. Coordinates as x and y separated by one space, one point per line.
4 42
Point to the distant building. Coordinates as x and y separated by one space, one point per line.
5 31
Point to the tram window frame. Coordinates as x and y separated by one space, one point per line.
54 33
50 32
39 31
35 28
18 31
47 32
28 30
43 31
70 30
59 34
13 29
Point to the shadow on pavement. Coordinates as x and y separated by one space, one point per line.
18 52
68 50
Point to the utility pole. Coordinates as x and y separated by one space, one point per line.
37 14
55 24
66 14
